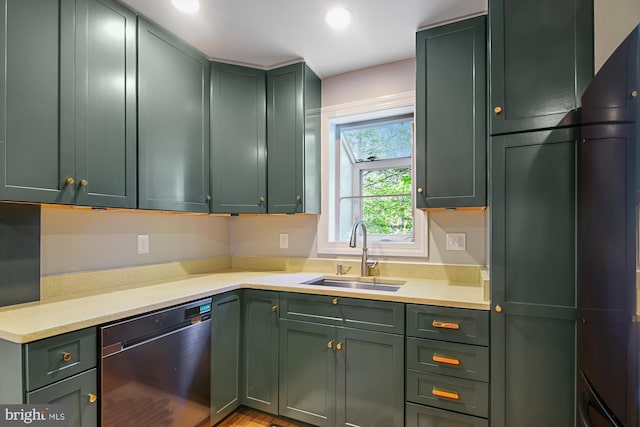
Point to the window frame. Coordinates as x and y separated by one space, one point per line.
364 110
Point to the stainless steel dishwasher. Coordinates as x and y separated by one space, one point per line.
155 368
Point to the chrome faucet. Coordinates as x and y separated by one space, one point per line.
365 263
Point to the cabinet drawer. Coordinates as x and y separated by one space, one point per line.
440 357
381 316
78 393
62 356
455 394
448 324
423 416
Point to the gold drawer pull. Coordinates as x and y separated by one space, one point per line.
67 356
330 344
334 301
274 308
445 325
443 393
446 360
92 398
339 346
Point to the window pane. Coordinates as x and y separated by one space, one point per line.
390 210
378 141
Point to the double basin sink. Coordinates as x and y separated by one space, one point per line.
371 284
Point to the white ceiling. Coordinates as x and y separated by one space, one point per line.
266 33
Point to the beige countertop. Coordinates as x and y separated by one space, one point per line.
32 321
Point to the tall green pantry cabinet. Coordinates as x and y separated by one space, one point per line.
68 122
541 59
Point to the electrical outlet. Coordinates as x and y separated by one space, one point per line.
284 241
143 243
456 241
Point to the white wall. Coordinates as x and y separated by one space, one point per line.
82 240
613 20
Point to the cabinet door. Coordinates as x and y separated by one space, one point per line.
238 139
370 379
78 393
307 372
173 123
293 139
106 104
450 115
225 355
541 61
260 350
285 127
36 91
533 215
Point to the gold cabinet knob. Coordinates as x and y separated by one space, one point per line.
208 198
274 308
634 93
69 181
334 301
420 190
92 398
261 199
67 356
330 344
498 110
339 346
84 183
298 198
498 309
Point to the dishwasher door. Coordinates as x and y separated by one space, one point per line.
155 369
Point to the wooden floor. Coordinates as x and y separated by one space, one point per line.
245 417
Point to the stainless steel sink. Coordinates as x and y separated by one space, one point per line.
374 285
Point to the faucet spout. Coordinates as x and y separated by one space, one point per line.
364 263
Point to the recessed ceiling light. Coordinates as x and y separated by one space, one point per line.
338 18
186 6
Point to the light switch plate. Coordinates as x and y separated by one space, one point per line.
284 241
456 241
143 243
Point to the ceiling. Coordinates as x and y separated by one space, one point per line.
267 33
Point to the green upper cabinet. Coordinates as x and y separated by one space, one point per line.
105 125
533 279
293 140
451 115
173 123
238 139
68 122
541 61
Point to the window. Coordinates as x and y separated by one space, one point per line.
367 166
375 178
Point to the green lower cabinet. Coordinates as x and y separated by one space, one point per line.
533 284
308 372
225 355
334 376
423 416
370 378
77 393
260 350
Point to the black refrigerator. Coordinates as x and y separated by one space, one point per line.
608 255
